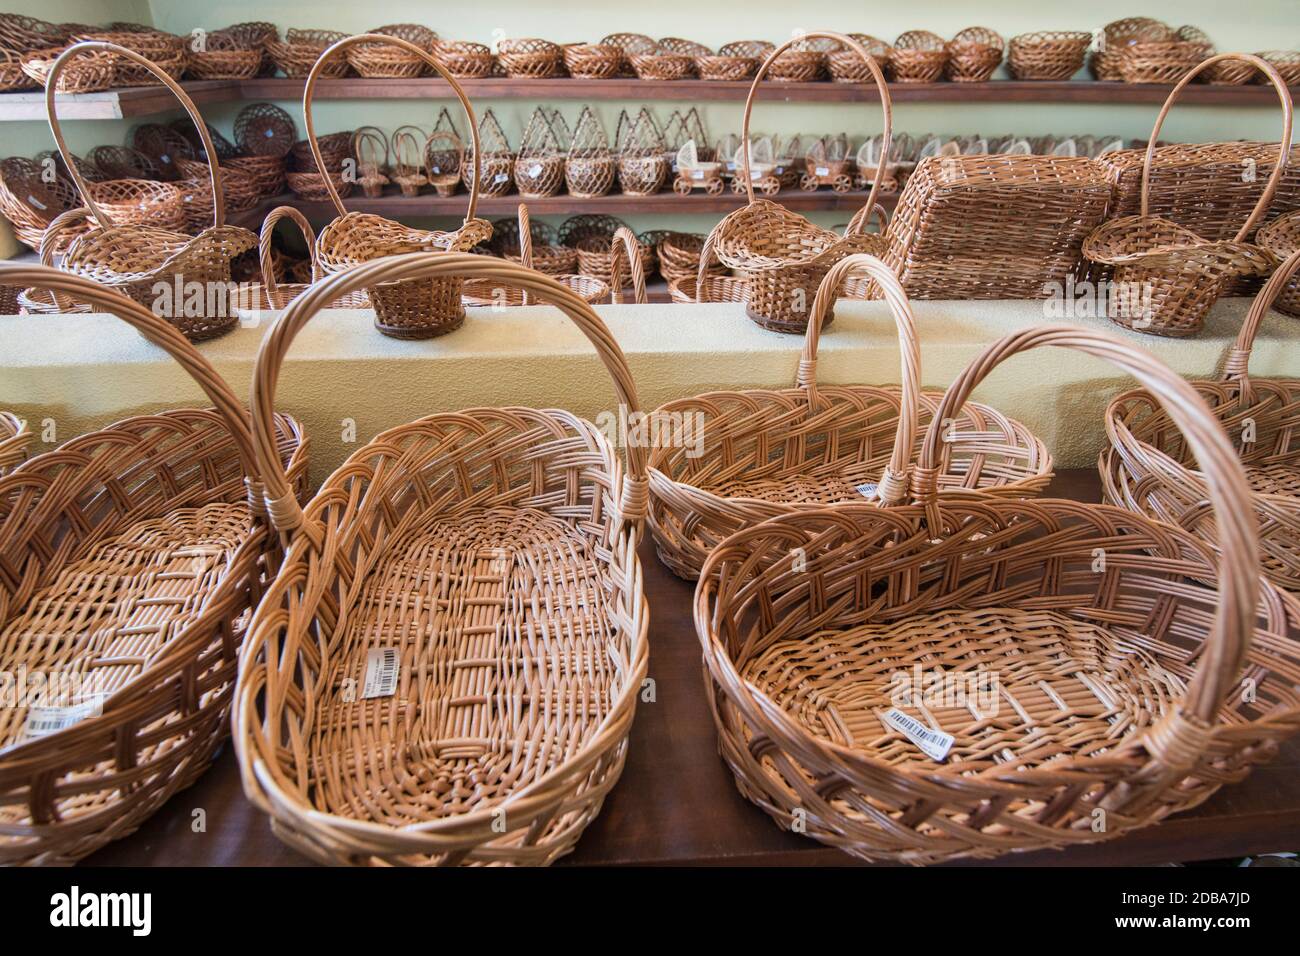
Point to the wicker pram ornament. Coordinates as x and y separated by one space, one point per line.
766 452
525 524
784 255
418 309
156 266
1168 277
1104 684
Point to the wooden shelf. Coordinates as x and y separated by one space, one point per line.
397 206
143 101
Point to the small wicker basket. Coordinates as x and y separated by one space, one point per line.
974 55
224 56
593 61
530 58
494 293
272 295
918 56
847 67
465 60
1104 63
1047 54
298 52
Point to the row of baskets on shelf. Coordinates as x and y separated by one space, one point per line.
887 527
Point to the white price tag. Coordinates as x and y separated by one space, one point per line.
382 667
35 202
43 721
437 170
823 170
935 744
868 489
697 174
500 178
534 170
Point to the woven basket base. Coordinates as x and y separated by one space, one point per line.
790 326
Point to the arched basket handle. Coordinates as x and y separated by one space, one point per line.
626 246
268 234
1236 368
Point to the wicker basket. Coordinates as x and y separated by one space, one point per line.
784 255
733 62
1287 64
89 74
12 77
407 171
23 34
164 50
164 145
548 255
444 159
14 434
224 56
1047 54
409 310
631 44
974 55
593 61
769 452
1168 276
530 522
539 166
495 293
266 173
381 60
30 201
664 63
145 261
272 295
918 56
1071 697
263 129
642 168
465 60
163 549
1104 63
1281 237
57 237
1163 61
530 58
1149 467
298 52
795 65
847 67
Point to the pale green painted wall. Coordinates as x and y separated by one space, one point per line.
1246 25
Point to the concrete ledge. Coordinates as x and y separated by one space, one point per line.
85 371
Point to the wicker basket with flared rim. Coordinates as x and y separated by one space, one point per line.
12 77
224 57
166 51
949 238
335 148
266 172
1104 62
140 202
89 74
270 294
1228 73
465 60
1148 467
918 56
56 238
145 261
379 60
766 452
1104 691
419 309
1281 237
847 67
530 521
593 61
679 254
548 255
263 129
444 158
784 255
632 44
298 52
1047 54
14 433
1287 64
1167 277
1161 62
162 551
795 65
530 58
597 255
495 293
30 200
974 55
686 289
726 67
23 34
669 62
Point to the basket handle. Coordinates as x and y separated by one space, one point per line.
403 135
449 137
51 84
625 245
525 243
310 88
268 233
885 104
50 241
1236 368
706 257
371 135
1284 144
1238 577
285 512
162 334
893 488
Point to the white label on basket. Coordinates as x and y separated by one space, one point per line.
697 174
868 489
823 171
269 133
35 202
381 673
437 170
934 743
731 165
165 159
500 178
43 721
534 170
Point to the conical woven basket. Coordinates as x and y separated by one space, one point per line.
968 676
143 547
412 310
765 452
784 255
497 735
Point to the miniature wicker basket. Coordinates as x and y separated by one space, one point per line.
1047 54
530 522
418 309
444 158
1149 468
297 53
530 58
918 56
465 60
974 55
1167 275
783 255
1100 683
163 549
767 452
1104 63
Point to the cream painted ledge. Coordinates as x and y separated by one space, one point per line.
84 371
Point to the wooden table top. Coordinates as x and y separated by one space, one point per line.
676 802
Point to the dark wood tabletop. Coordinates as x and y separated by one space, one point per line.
676 802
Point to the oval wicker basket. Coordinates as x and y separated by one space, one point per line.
382 60
15 437
663 65
89 74
153 264
1281 237
495 293
163 551
1149 469
1104 63
1069 693
30 201
22 34
410 310
918 56
224 56
1168 277
733 62
529 522
1047 54
593 61
465 60
1163 61
847 67
766 452
530 58
783 255
297 53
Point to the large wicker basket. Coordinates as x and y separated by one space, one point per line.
1166 275
506 724
151 264
143 547
784 255
967 676
1149 467
746 456
411 310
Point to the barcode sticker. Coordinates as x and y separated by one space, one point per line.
43 721
868 489
697 174
934 743
35 202
500 178
381 673
534 170
823 171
